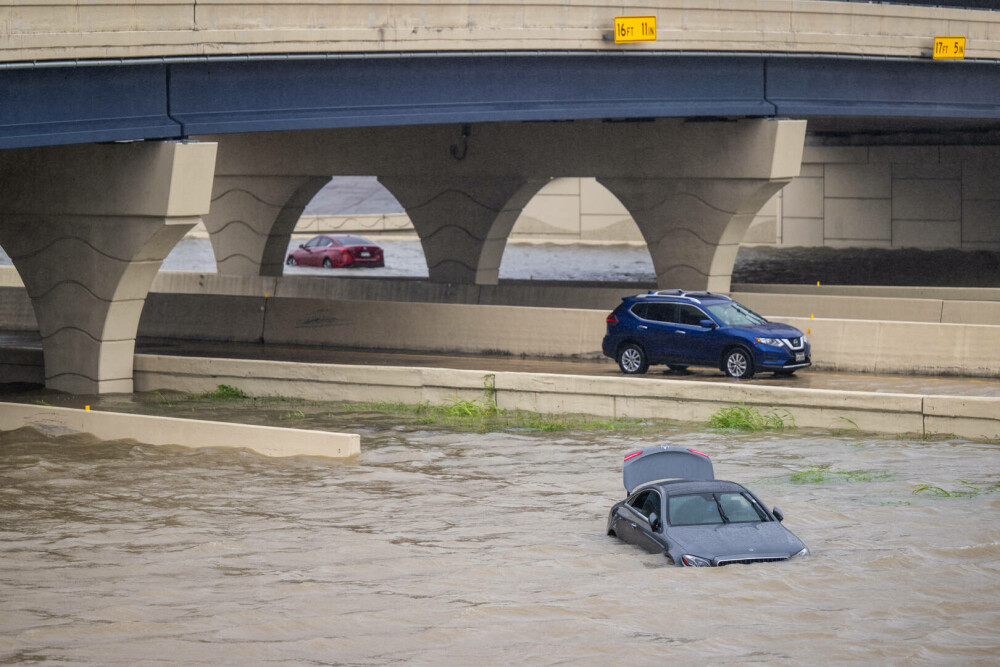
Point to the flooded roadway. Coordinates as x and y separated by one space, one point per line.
439 547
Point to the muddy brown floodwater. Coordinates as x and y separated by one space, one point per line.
442 547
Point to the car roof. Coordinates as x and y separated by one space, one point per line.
661 462
678 296
682 487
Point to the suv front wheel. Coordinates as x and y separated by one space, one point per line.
738 364
632 359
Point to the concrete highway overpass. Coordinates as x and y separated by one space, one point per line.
122 124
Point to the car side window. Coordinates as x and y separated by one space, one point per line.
324 241
646 502
640 310
691 315
655 312
314 242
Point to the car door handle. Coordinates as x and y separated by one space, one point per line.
643 326
680 332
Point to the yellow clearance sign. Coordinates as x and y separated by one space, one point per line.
949 47
635 29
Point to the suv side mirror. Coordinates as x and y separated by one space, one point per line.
654 521
707 324
778 514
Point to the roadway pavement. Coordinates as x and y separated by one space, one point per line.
803 379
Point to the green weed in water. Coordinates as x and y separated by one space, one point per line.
298 414
823 474
224 392
748 418
967 490
482 417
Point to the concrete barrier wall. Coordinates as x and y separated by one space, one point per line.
886 291
616 397
847 345
868 346
917 348
69 29
194 433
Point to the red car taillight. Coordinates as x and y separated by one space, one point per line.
611 319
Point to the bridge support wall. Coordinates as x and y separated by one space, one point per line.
694 186
915 196
87 228
252 219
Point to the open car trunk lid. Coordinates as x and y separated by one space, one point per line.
665 462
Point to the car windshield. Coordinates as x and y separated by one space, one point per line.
712 508
733 314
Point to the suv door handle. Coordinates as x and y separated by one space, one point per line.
643 326
680 332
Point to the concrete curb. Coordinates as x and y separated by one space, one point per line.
974 418
194 433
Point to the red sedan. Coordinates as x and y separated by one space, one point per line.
337 251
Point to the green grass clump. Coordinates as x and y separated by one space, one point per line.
967 490
224 392
482 416
748 418
823 474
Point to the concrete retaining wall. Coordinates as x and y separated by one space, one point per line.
69 29
194 433
838 344
977 418
857 345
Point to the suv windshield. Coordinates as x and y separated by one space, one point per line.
733 314
708 508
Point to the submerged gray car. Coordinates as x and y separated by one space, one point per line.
675 506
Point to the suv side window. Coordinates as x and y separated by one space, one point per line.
640 310
662 312
691 315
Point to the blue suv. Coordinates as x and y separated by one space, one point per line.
684 329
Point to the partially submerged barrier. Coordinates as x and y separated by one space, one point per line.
193 433
615 397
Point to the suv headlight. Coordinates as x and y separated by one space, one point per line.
804 552
695 561
769 341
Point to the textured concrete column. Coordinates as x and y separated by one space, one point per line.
693 227
253 217
463 222
87 228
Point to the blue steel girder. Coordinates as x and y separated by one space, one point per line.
83 102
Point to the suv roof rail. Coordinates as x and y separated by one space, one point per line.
681 294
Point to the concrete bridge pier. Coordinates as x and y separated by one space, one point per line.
463 222
253 215
87 228
693 227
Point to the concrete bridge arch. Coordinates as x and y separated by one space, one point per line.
692 187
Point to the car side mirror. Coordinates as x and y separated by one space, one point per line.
302 245
654 521
707 324
778 514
